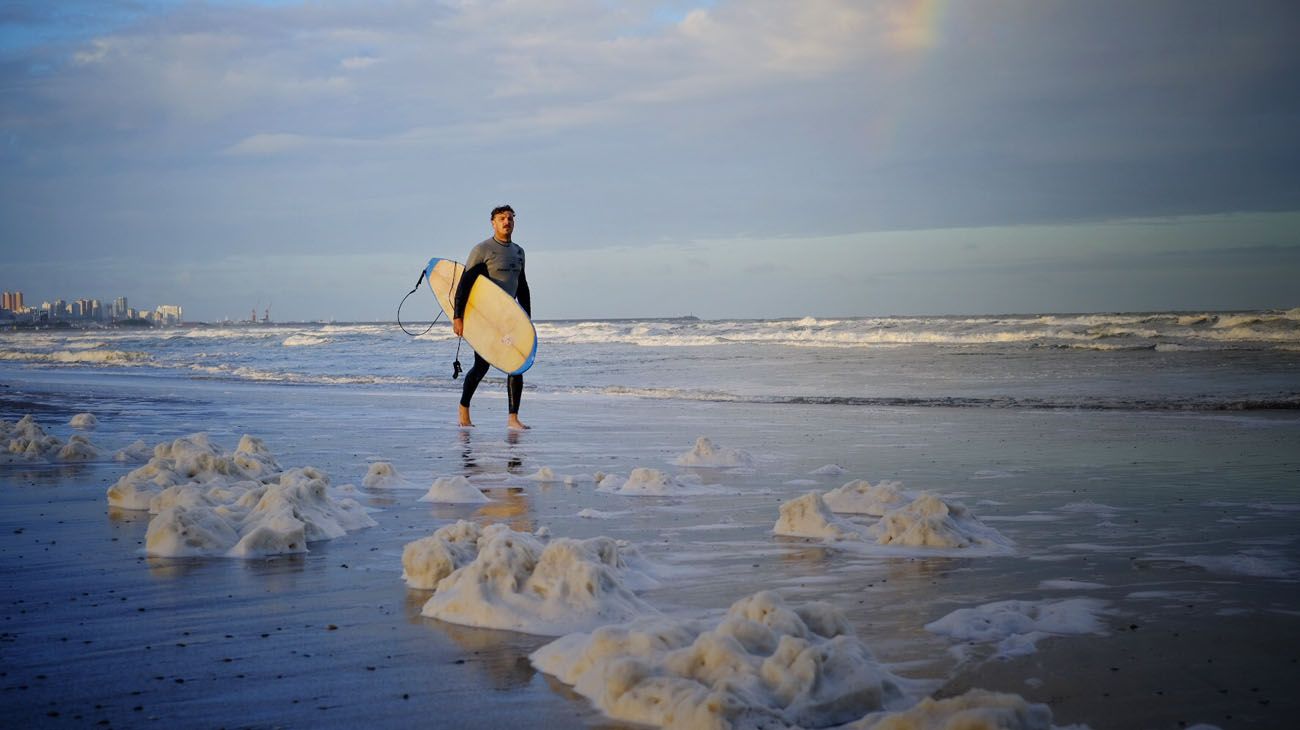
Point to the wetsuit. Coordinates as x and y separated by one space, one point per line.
503 263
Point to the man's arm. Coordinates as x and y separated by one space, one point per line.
524 296
467 280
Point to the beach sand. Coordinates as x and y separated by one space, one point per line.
1179 528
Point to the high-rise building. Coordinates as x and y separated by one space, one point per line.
8 302
168 314
119 309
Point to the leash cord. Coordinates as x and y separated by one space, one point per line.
399 310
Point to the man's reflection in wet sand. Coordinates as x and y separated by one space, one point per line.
510 505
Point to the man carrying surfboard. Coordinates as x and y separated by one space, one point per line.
502 260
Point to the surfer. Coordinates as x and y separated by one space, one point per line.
501 260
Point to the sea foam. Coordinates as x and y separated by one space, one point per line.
207 502
764 664
860 497
454 490
382 475
494 577
647 482
25 440
1016 626
926 522
706 454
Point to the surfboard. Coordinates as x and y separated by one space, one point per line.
495 325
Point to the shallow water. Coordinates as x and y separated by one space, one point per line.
1184 521
1142 461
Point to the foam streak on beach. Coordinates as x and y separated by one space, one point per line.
1053 520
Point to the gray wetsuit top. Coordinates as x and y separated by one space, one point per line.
505 262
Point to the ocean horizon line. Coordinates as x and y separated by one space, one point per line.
780 318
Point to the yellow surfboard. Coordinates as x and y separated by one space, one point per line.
495 325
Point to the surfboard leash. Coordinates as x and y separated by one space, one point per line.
399 310
456 368
451 297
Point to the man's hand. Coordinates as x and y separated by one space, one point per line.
458 326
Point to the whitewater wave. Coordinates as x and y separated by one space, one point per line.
305 340
78 357
1093 331
294 378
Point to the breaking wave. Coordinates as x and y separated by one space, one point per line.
78 357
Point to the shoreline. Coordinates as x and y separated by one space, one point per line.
1165 482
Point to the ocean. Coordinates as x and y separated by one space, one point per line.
1151 361
1136 476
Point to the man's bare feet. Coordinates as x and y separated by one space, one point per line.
464 418
514 423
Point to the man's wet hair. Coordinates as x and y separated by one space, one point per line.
501 209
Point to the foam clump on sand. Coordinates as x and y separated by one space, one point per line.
647 482
84 420
250 520
548 475
928 521
454 490
497 578
860 497
192 460
382 475
707 454
976 710
78 448
809 516
925 522
642 480
138 452
430 559
830 470
764 664
25 441
1017 626
207 502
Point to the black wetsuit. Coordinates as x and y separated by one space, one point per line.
503 263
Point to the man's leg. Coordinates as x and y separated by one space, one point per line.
514 392
472 378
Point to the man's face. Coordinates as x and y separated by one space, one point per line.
503 224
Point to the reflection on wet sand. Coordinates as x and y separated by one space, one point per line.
514 463
472 462
501 655
172 568
380 500
509 505
43 475
923 570
808 557
128 516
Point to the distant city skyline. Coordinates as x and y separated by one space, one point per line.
16 307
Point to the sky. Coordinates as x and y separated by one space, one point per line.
722 159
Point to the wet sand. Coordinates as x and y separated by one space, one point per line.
93 631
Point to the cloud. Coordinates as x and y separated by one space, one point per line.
613 126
